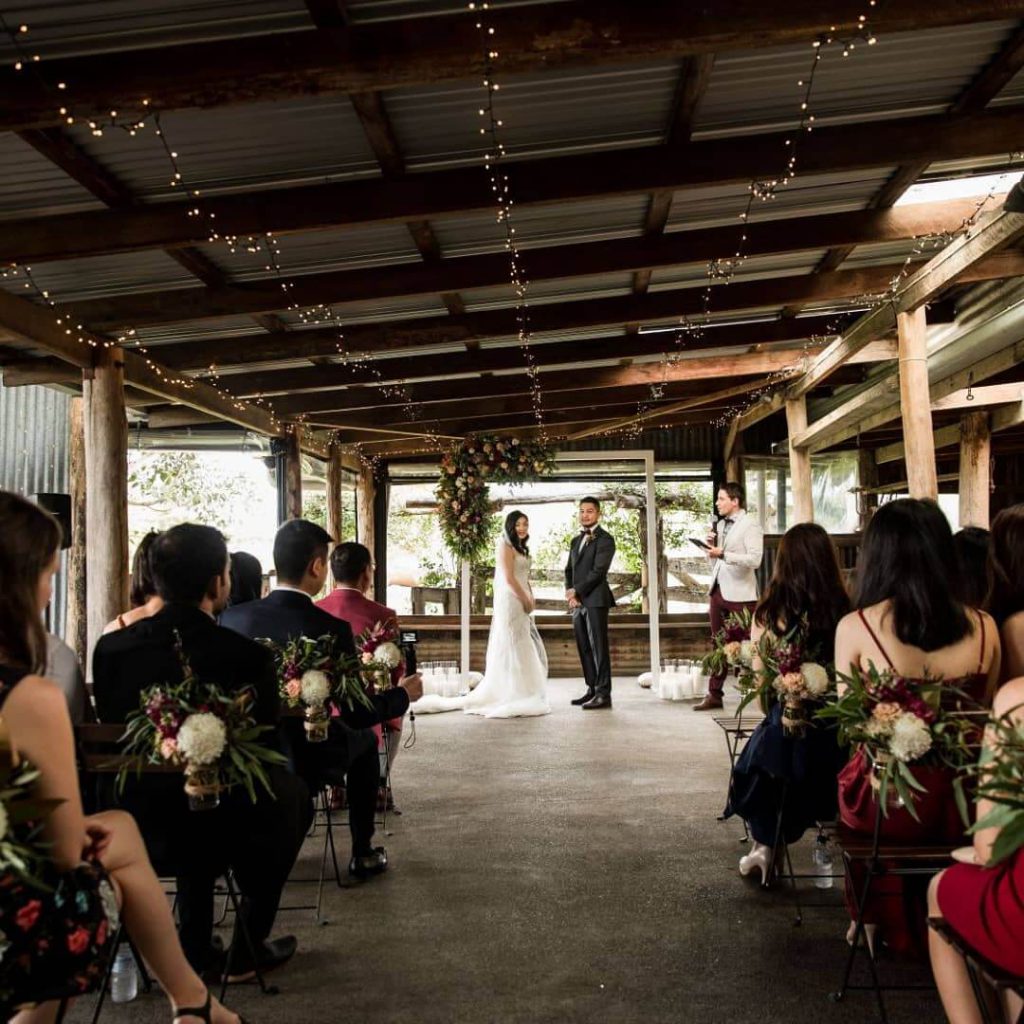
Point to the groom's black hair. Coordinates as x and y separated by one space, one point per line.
591 501
510 531
349 561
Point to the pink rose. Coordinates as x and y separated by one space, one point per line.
367 657
293 688
168 748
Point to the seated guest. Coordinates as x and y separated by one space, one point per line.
142 593
352 569
971 545
63 668
56 940
300 558
1005 601
260 840
246 578
806 593
909 620
982 903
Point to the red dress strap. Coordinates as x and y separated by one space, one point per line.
878 643
981 653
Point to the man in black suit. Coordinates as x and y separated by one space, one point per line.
260 840
590 598
300 558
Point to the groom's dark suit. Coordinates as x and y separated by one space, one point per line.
586 572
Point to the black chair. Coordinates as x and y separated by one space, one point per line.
100 754
737 729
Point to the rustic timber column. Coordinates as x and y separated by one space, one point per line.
916 405
366 490
334 504
867 472
106 510
293 473
975 462
799 462
734 462
76 630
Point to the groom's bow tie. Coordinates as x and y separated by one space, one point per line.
586 531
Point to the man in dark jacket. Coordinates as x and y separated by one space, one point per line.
301 561
260 840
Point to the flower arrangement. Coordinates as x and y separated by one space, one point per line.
998 777
210 734
791 672
898 722
314 674
732 651
379 654
463 498
21 816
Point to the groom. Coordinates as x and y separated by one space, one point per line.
590 597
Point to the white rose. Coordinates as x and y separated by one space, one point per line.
201 738
911 738
316 687
387 654
815 678
3 820
747 652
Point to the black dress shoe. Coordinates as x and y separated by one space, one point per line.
372 863
270 954
598 702
588 696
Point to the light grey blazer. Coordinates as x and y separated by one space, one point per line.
743 549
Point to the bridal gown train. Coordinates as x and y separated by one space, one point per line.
515 676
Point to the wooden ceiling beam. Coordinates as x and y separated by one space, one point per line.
431 194
422 51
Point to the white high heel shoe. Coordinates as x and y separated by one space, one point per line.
756 860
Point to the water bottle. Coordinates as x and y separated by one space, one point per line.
124 981
822 857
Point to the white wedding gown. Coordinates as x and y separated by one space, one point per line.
515 676
516 673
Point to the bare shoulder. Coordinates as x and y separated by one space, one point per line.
1009 696
1012 626
35 699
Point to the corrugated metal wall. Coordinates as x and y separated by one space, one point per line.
697 443
34 456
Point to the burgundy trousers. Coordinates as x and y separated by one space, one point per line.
719 610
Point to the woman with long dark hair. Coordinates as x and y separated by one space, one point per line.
777 771
145 601
246 578
909 620
515 676
1005 600
56 940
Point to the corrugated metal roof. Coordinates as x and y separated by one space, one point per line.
32 186
753 268
72 27
554 113
228 149
386 10
543 292
904 73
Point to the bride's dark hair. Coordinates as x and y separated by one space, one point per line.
510 532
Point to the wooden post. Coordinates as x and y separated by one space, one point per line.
106 511
916 405
867 466
293 473
734 462
799 462
975 461
334 503
76 631
366 490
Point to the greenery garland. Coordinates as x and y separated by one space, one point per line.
464 503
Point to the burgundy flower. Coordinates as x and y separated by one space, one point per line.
28 915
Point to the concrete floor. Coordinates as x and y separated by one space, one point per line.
562 869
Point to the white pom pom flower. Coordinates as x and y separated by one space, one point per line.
746 652
911 738
387 654
202 738
815 678
316 687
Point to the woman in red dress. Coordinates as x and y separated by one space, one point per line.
909 620
984 905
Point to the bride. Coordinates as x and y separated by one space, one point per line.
514 679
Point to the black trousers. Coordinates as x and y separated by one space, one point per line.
591 628
348 757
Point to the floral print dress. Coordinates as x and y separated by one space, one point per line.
56 931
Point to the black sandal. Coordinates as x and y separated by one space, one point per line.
202 1012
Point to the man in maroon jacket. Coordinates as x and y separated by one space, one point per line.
352 568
